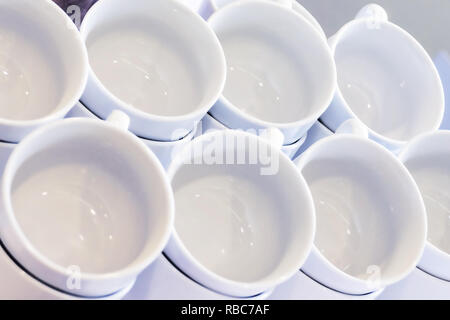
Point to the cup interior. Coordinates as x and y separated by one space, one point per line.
388 80
42 60
429 163
276 61
368 212
156 56
241 225
85 196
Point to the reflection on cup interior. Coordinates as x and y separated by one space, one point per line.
268 71
388 80
35 75
368 226
239 224
76 190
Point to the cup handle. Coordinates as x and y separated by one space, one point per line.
372 12
274 136
354 127
119 119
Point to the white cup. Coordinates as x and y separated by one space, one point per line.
43 66
428 159
103 202
164 150
210 124
385 79
280 70
164 281
371 219
157 61
208 7
238 229
20 285
17 284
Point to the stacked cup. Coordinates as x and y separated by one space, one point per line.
43 68
86 205
158 62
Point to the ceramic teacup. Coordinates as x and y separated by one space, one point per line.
280 70
157 61
208 7
43 66
211 124
239 230
428 159
385 79
371 220
20 285
164 150
85 205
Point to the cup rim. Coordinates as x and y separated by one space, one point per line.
355 23
189 135
61 112
301 162
419 139
135 111
329 97
268 282
293 145
296 7
135 266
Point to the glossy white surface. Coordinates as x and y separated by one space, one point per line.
155 60
238 247
163 281
302 287
385 79
416 286
207 7
17 284
79 198
300 80
227 249
428 159
103 223
370 229
209 124
142 70
164 150
43 66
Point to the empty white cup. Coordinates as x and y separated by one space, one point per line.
210 124
164 150
43 66
157 61
85 205
428 159
371 219
280 70
385 79
208 7
238 231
